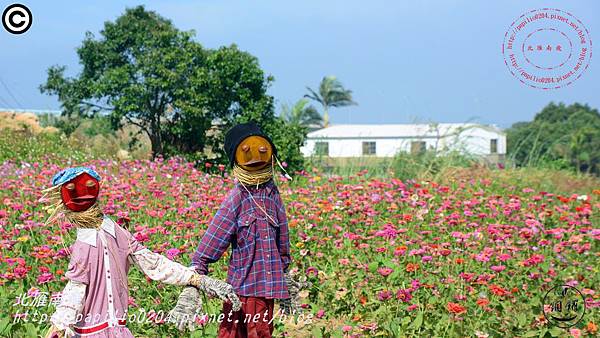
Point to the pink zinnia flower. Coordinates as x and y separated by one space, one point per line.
311 270
384 295
498 268
45 278
576 333
172 253
404 295
320 313
202 320
385 271
344 261
33 292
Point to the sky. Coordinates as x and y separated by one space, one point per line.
405 61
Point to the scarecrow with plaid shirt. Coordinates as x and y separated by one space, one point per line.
252 220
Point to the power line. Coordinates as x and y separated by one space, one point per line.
4 102
10 93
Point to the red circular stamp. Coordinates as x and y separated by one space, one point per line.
547 48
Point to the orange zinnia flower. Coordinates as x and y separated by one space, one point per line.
591 327
455 308
412 267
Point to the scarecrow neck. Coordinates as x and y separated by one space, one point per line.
90 218
257 177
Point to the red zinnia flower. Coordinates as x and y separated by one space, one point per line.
497 290
455 308
483 302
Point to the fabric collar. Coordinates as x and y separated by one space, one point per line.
88 235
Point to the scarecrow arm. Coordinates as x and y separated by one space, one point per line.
160 268
157 267
217 237
70 305
284 237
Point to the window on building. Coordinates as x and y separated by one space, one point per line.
494 146
418 147
322 148
369 148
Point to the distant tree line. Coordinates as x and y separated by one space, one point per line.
560 136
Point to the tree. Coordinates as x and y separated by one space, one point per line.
302 114
564 135
331 94
144 71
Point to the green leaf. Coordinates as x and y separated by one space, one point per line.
556 331
418 321
4 324
521 319
373 266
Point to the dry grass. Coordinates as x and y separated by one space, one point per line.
23 122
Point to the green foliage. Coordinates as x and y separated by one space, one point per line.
26 147
331 94
428 164
301 113
424 166
68 124
288 138
558 137
144 71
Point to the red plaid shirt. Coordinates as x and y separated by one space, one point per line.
260 248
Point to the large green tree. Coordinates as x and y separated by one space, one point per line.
567 135
143 71
331 94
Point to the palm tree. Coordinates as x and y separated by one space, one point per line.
302 114
331 94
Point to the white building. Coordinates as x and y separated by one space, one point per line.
385 140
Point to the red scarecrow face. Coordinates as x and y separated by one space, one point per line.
80 193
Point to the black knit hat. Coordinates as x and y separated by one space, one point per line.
237 134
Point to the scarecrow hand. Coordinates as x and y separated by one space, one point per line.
217 288
291 306
188 306
55 332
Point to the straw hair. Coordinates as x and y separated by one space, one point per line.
90 218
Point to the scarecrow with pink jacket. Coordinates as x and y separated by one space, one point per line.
94 301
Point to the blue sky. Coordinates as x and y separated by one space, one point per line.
406 61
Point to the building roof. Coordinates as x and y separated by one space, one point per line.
397 130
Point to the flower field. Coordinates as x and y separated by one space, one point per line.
384 256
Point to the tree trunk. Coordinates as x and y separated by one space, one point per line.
154 131
156 142
325 116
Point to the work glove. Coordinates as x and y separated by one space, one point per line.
189 305
291 305
216 288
